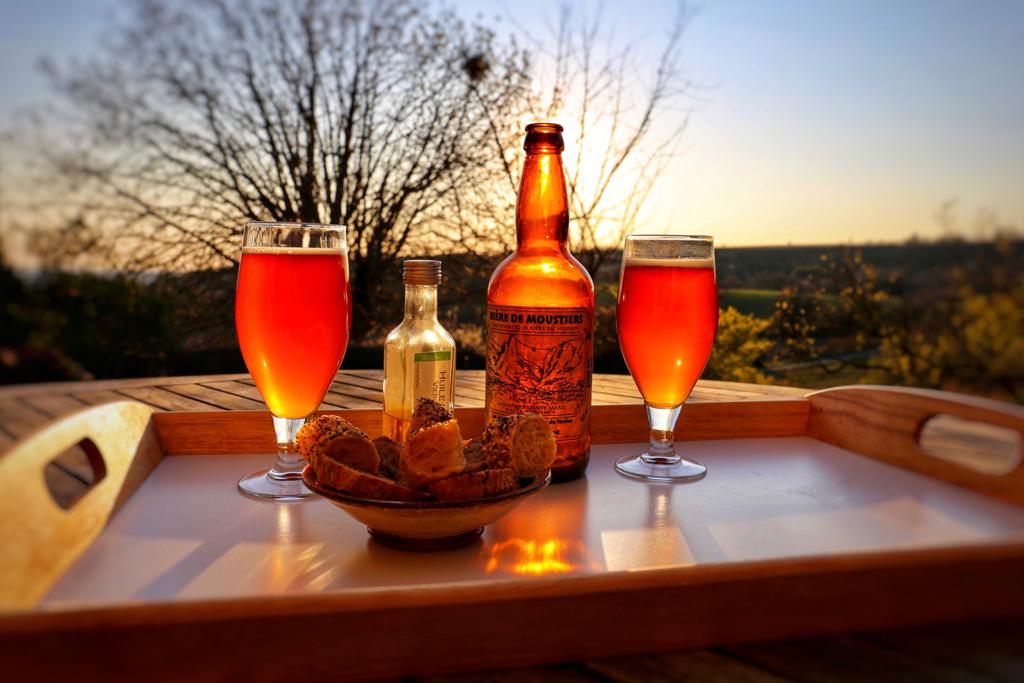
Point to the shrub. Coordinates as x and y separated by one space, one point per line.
739 348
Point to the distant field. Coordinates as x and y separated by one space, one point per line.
757 302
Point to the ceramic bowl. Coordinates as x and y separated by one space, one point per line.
426 525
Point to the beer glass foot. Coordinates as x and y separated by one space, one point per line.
285 489
637 467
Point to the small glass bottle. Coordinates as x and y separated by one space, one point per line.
419 354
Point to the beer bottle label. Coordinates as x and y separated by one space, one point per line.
540 360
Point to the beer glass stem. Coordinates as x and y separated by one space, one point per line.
289 463
663 447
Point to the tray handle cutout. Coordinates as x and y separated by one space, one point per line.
74 472
44 535
907 427
979 446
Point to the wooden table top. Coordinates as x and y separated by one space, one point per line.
960 652
25 407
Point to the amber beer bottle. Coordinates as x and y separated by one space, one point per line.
540 312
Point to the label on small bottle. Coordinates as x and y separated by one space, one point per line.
431 376
540 360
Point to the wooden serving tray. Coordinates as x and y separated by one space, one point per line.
818 515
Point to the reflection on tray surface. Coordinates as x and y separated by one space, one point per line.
528 557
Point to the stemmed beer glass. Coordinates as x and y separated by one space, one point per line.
667 317
293 316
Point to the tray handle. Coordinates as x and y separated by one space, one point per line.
41 539
885 423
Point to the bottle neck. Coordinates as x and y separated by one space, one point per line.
421 302
542 211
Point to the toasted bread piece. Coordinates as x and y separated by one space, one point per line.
473 485
473 451
523 442
348 448
495 443
389 451
335 475
432 453
349 445
427 413
317 428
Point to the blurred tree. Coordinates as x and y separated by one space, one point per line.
395 118
58 326
963 332
613 97
102 326
798 314
199 115
18 362
739 348
966 334
13 330
606 334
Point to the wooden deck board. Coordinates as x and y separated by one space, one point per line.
345 388
18 390
369 383
160 397
18 418
706 665
100 396
843 659
343 400
25 407
55 405
995 649
214 396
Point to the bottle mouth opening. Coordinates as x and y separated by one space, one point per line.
421 272
544 127
544 136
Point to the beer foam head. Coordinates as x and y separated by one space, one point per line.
669 262
295 251
670 251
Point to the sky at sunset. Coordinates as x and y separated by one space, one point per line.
816 122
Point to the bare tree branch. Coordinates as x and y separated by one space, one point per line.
202 114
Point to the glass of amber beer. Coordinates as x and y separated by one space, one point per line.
292 315
667 317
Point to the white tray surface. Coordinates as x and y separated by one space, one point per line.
187 534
